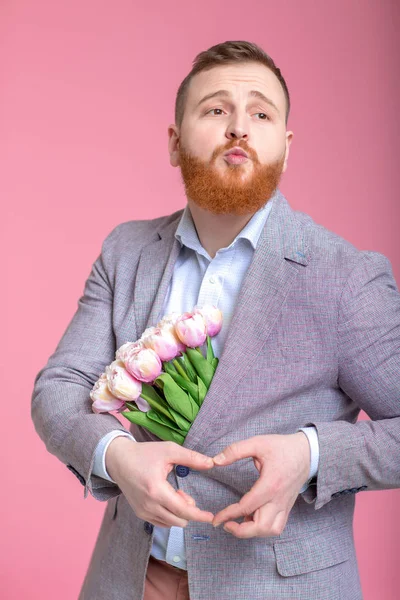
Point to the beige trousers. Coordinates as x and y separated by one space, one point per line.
165 582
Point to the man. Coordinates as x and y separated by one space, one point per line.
259 502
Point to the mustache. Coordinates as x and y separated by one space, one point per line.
233 144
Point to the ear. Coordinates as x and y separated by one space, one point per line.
289 138
173 145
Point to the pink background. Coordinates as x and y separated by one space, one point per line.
87 93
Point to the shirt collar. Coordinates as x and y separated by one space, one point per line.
186 232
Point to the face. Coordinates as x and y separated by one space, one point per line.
233 138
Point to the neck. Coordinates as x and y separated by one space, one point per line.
216 231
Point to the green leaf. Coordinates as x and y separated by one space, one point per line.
214 363
186 385
189 369
164 433
210 351
202 390
155 400
168 367
161 406
177 398
155 416
203 368
180 367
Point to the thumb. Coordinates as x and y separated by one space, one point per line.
236 451
191 458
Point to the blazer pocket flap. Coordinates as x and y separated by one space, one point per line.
316 551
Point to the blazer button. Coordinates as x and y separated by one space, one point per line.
148 527
182 471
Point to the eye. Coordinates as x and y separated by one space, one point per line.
213 110
263 116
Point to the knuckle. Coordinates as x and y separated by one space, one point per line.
150 490
276 530
169 447
274 486
146 506
140 513
245 510
232 449
193 455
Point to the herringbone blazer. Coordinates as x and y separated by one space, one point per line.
315 338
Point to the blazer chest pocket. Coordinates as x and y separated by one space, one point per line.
316 551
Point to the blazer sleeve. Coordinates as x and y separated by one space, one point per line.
61 406
364 455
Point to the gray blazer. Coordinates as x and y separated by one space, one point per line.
314 339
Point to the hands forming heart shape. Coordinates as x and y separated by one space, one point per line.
283 463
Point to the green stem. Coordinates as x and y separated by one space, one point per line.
156 405
180 369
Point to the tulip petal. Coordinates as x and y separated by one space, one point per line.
101 406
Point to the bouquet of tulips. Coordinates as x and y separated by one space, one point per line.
161 380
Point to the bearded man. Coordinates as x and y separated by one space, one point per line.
258 503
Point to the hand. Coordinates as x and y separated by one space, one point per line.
283 462
140 470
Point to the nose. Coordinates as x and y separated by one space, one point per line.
237 129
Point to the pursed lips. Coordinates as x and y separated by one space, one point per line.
236 156
238 151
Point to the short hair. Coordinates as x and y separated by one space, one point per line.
227 53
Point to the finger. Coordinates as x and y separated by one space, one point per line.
236 451
263 524
176 504
158 523
190 458
170 518
186 497
247 505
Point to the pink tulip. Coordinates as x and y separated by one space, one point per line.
164 343
191 329
103 399
144 364
169 319
121 384
212 316
125 349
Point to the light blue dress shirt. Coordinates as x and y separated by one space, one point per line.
198 279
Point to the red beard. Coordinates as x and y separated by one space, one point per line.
227 193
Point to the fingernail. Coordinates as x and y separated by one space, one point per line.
219 458
216 524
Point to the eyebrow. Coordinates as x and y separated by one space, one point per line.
253 94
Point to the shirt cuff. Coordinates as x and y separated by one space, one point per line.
99 467
312 436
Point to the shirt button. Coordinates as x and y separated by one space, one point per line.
177 559
212 280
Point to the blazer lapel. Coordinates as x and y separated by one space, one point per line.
154 272
279 256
